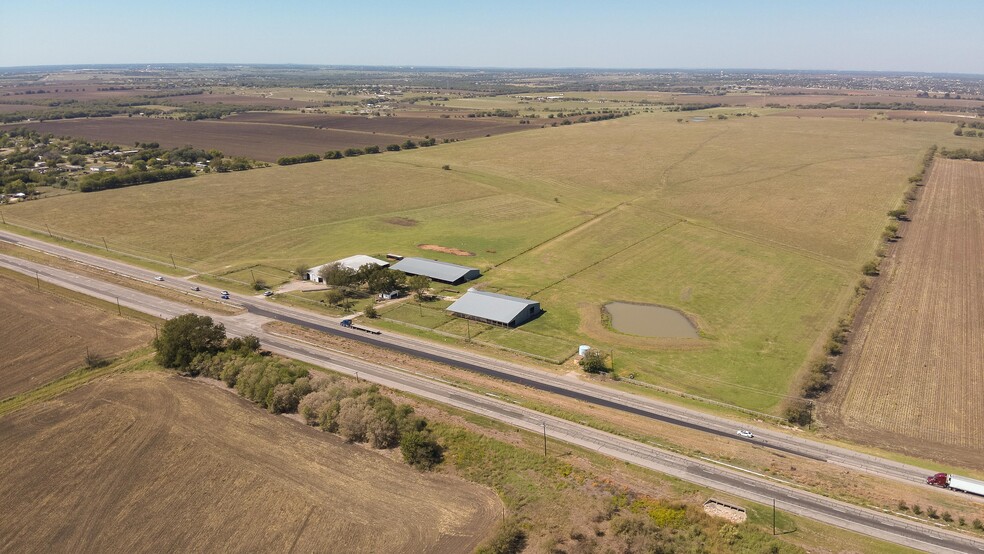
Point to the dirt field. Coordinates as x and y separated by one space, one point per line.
913 374
266 141
410 125
44 336
152 459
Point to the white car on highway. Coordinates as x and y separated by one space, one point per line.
158 278
744 433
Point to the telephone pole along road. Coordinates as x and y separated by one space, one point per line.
740 484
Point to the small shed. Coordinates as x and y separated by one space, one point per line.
438 271
495 309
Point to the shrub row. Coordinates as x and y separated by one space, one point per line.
358 413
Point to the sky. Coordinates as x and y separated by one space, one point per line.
861 35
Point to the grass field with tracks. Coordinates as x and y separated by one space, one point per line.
754 227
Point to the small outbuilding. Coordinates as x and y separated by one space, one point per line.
437 271
352 262
495 309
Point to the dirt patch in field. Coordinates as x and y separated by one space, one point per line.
401 221
445 249
912 377
44 336
150 458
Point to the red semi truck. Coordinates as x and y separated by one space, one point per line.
957 483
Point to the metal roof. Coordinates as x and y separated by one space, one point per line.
491 306
352 262
359 260
439 271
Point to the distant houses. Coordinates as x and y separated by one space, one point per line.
438 271
495 309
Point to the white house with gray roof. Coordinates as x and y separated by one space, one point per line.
438 271
497 309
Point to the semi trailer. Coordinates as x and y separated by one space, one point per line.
956 482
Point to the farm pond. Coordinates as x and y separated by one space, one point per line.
647 320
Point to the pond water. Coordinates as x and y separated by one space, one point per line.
647 320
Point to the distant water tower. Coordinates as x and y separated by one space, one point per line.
582 350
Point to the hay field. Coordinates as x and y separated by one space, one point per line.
44 336
148 458
914 374
755 227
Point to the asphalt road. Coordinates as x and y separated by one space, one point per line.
738 482
652 408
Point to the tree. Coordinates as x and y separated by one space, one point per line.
899 214
336 275
408 145
418 284
184 337
301 270
371 312
594 362
334 297
420 450
354 415
393 147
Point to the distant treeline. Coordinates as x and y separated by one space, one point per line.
692 107
962 154
302 159
126 178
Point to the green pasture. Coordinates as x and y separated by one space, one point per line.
755 227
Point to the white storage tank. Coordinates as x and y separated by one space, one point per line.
582 350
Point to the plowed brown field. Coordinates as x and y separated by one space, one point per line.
44 336
154 462
268 136
914 375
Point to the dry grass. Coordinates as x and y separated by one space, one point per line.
147 458
755 227
914 374
44 336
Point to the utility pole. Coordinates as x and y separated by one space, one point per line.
251 276
544 438
773 517
118 307
2 218
38 277
174 265
105 244
49 230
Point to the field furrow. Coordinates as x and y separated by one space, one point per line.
913 374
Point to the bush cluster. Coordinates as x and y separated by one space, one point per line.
358 413
291 160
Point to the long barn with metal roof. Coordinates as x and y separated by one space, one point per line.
437 271
497 309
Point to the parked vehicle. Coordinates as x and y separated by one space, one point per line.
956 482
268 293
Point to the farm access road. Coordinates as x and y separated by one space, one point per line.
592 393
737 482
